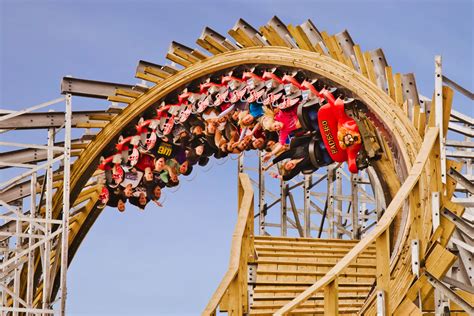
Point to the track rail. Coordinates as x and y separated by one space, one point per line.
394 110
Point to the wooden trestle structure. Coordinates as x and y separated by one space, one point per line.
400 265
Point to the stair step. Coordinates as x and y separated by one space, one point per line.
306 311
304 249
342 283
282 289
312 273
342 245
318 296
306 239
290 254
287 266
308 304
308 263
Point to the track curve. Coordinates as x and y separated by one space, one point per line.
399 131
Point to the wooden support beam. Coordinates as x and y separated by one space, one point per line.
390 82
397 81
382 244
331 294
246 34
300 37
120 99
360 60
370 67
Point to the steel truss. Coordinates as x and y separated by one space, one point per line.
320 205
29 235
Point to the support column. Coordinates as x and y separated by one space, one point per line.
355 207
283 208
382 245
439 112
31 254
331 304
17 271
330 202
261 195
48 216
66 189
307 202
338 209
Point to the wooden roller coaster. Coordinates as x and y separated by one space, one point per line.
415 258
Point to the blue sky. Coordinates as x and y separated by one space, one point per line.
169 261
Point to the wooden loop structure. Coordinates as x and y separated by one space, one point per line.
397 267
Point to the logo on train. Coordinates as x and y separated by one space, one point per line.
165 150
329 137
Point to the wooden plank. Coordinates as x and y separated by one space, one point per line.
149 78
318 48
383 266
331 295
216 40
360 61
273 37
438 261
397 82
407 308
198 54
416 115
246 34
186 56
207 46
448 95
421 124
300 38
450 186
448 226
405 108
215 44
241 37
370 67
160 73
337 50
185 52
178 60
120 99
390 83
101 117
92 124
128 93
327 43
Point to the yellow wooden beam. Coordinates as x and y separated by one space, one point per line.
331 302
382 244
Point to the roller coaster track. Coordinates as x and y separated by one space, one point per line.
403 260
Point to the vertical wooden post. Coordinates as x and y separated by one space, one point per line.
382 245
331 304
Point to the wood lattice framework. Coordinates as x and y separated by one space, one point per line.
400 115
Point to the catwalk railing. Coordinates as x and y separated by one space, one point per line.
231 294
